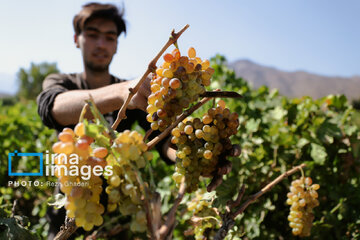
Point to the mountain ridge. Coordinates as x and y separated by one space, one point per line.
296 83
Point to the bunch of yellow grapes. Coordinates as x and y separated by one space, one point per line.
302 198
177 83
201 208
124 190
202 143
82 192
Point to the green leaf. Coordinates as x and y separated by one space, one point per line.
278 113
91 130
11 229
318 153
58 201
252 125
350 130
329 129
302 142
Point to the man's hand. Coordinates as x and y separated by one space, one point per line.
139 100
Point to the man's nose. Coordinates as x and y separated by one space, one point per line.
101 42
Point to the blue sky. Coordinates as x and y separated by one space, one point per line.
317 36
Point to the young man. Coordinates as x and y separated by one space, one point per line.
97 28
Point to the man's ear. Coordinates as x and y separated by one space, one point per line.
76 40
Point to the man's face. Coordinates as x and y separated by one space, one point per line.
98 43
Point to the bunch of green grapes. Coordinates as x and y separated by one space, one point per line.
177 83
206 223
124 190
202 144
82 196
302 198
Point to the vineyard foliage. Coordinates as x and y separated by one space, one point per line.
275 134
21 129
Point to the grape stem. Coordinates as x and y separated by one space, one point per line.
228 219
184 115
97 114
147 134
83 112
151 68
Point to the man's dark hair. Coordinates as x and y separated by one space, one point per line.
92 11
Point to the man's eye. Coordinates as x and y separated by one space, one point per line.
92 35
111 39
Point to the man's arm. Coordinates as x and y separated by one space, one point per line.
169 150
68 105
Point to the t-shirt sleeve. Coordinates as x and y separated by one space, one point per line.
53 85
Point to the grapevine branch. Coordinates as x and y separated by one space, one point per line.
228 218
170 220
184 115
231 204
66 230
221 94
146 203
112 232
151 68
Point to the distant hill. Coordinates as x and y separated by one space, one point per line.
298 83
5 95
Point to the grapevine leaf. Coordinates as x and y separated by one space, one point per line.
95 111
350 130
302 142
278 113
209 196
102 141
253 125
11 229
58 201
91 130
327 131
257 140
225 191
318 153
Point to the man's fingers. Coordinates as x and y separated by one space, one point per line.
144 89
139 102
142 103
